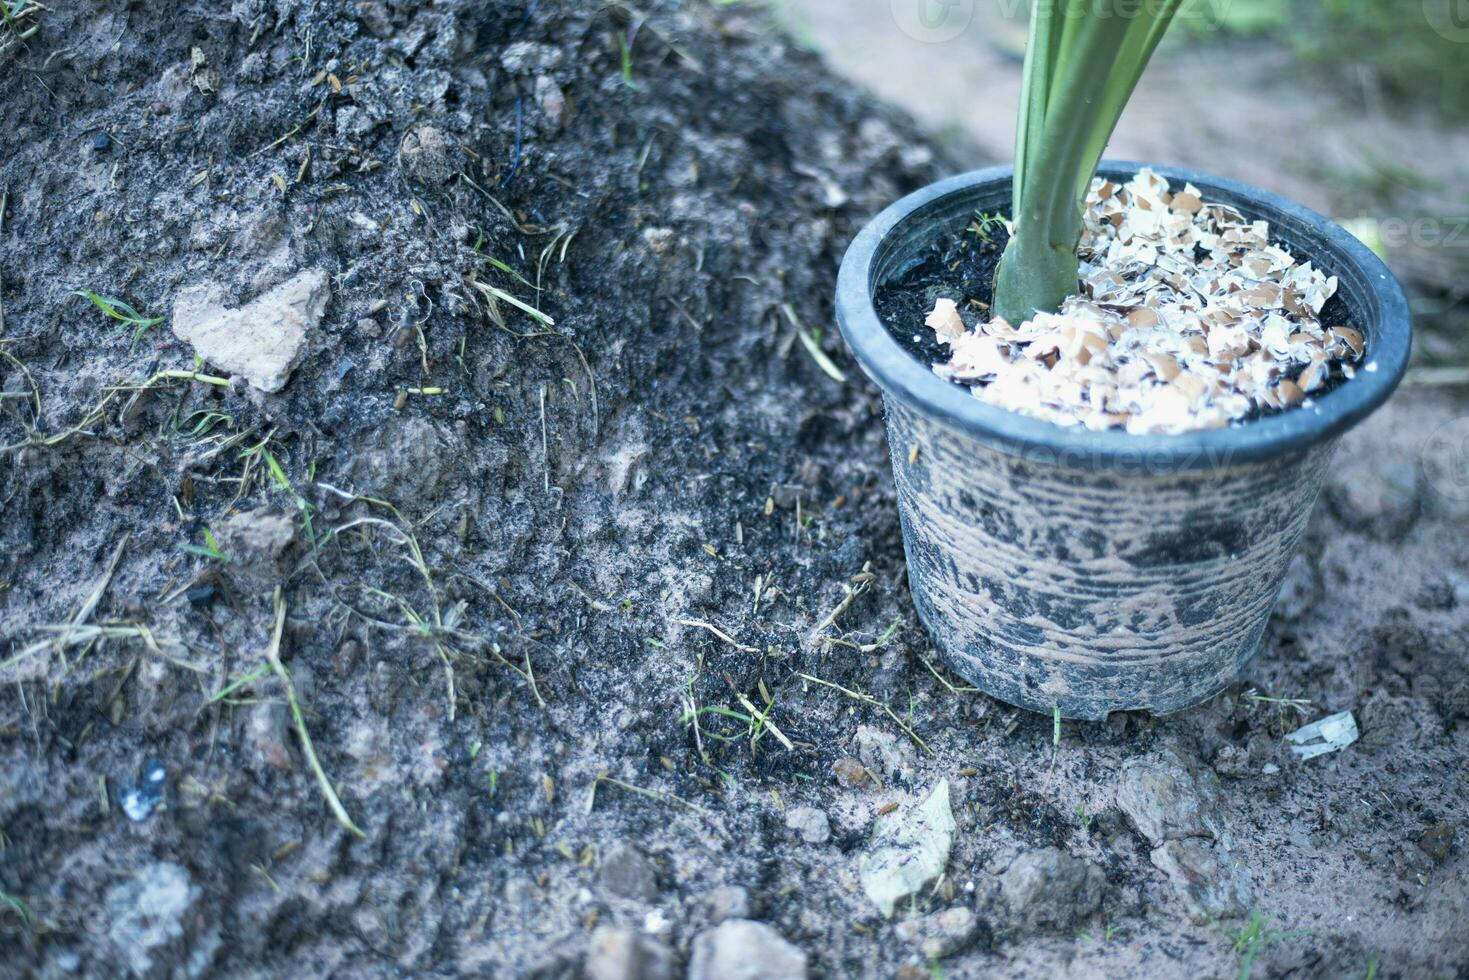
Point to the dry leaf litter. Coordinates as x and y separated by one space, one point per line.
1188 318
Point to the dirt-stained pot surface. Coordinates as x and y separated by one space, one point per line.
646 505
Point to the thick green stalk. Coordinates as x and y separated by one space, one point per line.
1082 64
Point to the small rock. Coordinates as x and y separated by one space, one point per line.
101 142
1167 799
261 232
530 57
627 873
369 327
886 754
147 916
174 85
374 16
551 100
659 240
348 653
1233 760
1437 841
354 122
622 954
727 902
261 340
941 934
368 745
141 798
849 772
785 495
1206 876
1050 887
401 460
740 949
265 735
627 469
810 823
255 543
425 155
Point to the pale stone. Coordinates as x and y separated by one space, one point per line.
262 340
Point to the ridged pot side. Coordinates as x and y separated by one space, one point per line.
1093 590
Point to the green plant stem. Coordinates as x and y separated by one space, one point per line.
1081 67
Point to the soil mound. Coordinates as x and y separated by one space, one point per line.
506 472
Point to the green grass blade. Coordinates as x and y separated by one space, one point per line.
121 311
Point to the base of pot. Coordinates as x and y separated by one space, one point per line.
1050 585
1082 692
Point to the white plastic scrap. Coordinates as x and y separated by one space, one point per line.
910 851
1327 735
141 799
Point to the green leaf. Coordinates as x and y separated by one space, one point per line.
1082 64
118 310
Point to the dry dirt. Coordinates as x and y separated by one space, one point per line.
448 490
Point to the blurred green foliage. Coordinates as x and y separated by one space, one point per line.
1417 49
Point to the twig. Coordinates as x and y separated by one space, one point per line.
763 718
90 605
545 450
700 624
827 365
71 634
273 652
294 130
945 681
863 579
493 595
869 699
652 794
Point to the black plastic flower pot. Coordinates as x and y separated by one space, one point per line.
1089 571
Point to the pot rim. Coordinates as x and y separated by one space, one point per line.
1336 250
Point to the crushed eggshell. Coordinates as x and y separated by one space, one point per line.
1188 318
945 321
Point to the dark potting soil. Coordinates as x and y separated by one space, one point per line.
566 512
961 266
958 266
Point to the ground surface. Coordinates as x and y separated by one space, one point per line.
675 193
